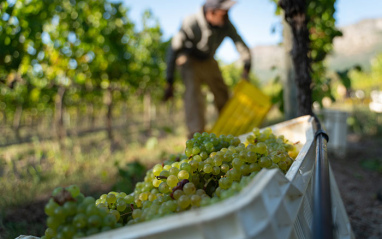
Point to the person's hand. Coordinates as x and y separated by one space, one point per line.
245 75
168 92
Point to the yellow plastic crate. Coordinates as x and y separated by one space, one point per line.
245 110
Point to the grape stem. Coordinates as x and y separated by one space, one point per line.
125 214
206 184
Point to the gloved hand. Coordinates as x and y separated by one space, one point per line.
168 92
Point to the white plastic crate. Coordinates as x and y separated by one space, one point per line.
273 205
336 127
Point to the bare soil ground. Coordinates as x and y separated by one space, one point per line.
358 176
359 179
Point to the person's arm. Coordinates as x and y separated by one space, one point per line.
177 44
245 53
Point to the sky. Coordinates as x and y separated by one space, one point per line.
254 19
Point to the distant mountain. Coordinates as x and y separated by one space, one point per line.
360 43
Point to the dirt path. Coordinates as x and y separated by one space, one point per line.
360 184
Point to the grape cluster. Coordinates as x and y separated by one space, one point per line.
71 215
211 169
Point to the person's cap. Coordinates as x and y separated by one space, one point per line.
220 4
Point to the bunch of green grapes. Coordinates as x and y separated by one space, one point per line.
212 169
118 204
205 143
71 215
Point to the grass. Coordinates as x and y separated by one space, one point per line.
30 171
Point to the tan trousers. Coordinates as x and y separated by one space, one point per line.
195 73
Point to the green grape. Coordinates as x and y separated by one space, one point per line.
164 173
157 169
207 168
98 201
80 220
188 152
50 207
88 200
254 167
152 197
176 165
91 209
92 231
50 233
235 174
195 200
137 213
184 201
224 168
189 143
59 212
203 155
195 150
251 157
261 148
283 165
265 162
116 214
70 208
189 188
201 166
157 182
183 174
209 161
53 222
205 201
167 167
164 188
122 195
276 158
250 139
218 161
121 206
68 231
74 190
200 192
245 169
216 170
138 202
109 220
56 191
172 181
217 191
237 163
129 199
194 165
144 196
172 205
174 171
186 167
273 165
224 183
177 194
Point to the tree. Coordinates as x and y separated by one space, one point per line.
295 15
